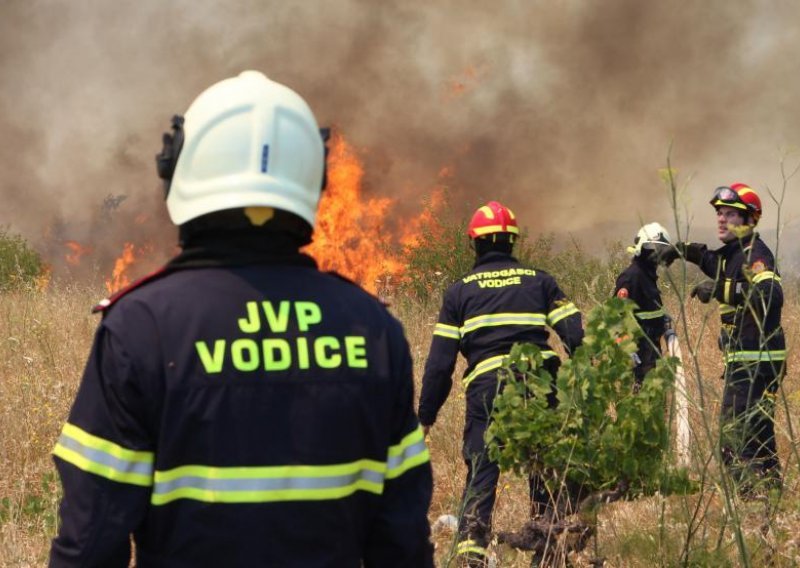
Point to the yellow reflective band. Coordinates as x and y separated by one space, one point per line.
104 458
470 546
269 483
725 309
766 275
410 452
560 313
480 231
484 366
494 363
650 315
448 331
727 293
755 356
490 320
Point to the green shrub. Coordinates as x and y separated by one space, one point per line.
441 256
20 265
601 435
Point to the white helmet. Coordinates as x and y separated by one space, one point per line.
246 141
649 237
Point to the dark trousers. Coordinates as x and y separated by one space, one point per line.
648 351
747 426
480 491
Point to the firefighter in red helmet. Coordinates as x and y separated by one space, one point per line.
744 279
499 303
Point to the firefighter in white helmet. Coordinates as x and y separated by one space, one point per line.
240 407
500 302
639 283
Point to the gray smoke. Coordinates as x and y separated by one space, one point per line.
564 110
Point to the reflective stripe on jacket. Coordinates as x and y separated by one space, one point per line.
499 303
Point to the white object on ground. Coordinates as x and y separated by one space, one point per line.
445 522
681 401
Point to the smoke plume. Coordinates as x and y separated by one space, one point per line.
563 110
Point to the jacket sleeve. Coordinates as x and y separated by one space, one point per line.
437 380
622 282
563 316
708 261
104 458
400 535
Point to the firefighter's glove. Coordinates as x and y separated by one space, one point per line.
667 254
692 252
703 291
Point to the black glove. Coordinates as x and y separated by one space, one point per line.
692 252
667 254
703 291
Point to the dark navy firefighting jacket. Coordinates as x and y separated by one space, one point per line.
639 283
748 289
254 415
499 303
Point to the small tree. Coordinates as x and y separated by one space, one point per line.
602 436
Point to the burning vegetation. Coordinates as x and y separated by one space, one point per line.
356 235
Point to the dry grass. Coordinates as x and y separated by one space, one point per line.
652 531
45 338
44 341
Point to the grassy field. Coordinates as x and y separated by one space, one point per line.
45 337
693 530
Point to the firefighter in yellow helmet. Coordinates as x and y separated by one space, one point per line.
744 280
499 303
240 407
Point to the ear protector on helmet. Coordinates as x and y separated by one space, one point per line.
167 159
325 133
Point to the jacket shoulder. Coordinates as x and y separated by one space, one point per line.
106 303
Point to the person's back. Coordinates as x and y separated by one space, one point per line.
500 302
242 408
638 282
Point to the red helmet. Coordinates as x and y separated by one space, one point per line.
740 196
490 219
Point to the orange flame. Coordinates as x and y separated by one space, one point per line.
76 252
119 278
426 224
42 281
351 236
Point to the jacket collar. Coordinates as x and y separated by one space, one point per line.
739 244
492 257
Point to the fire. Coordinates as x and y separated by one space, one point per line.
351 236
119 277
76 252
425 225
